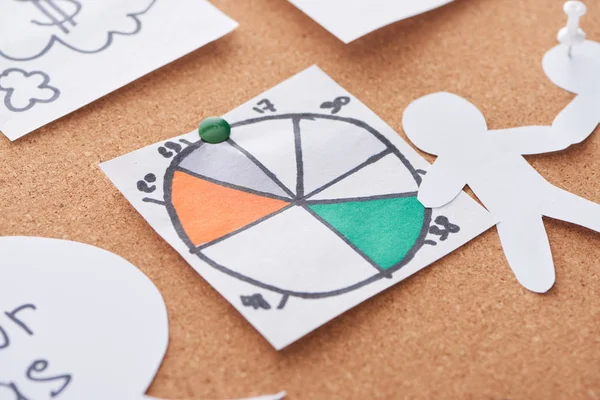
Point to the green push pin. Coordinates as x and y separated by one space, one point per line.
214 130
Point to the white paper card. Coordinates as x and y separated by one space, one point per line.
307 210
59 55
350 19
76 322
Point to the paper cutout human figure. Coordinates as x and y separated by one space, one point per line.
491 162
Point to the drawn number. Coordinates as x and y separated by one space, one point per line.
143 186
165 151
169 149
443 229
264 105
446 230
337 104
255 301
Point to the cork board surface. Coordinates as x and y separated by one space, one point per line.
460 329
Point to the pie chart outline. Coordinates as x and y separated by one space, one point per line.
194 249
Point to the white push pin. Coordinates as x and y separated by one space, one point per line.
572 35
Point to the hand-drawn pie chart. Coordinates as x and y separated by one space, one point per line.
306 205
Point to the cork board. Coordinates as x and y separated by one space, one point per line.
462 328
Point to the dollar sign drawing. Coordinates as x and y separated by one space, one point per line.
60 13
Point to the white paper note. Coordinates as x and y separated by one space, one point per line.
59 55
351 19
76 322
309 209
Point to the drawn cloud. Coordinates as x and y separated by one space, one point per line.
30 28
24 89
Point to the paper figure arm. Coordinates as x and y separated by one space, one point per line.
574 124
442 183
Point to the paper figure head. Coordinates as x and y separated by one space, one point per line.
577 74
81 315
441 122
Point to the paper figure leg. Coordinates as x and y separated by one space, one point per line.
527 251
569 207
